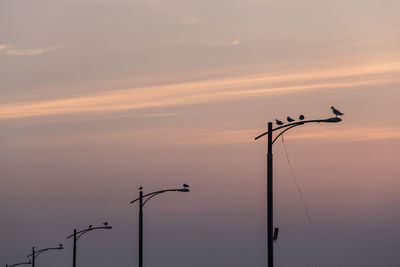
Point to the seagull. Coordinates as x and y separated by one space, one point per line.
279 122
336 112
289 119
105 223
185 185
301 117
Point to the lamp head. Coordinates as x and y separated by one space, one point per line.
335 119
184 190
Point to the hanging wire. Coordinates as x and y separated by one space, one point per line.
295 180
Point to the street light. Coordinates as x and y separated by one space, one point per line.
78 234
36 253
17 264
142 201
271 141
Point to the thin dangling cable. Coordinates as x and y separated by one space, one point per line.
295 180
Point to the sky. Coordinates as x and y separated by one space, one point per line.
98 98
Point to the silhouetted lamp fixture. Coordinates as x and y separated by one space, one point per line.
36 253
272 233
142 201
77 234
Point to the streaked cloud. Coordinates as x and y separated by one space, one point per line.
207 91
231 43
356 134
204 137
334 134
40 121
8 50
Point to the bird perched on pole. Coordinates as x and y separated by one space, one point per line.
289 119
301 117
279 122
185 186
105 223
336 112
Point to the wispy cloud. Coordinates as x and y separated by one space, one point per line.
208 91
351 134
66 119
246 136
165 137
230 43
9 50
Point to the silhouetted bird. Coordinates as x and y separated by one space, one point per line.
185 185
301 117
279 122
289 119
140 188
60 245
105 223
336 112
90 226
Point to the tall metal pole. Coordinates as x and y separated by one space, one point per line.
270 199
141 229
33 256
74 251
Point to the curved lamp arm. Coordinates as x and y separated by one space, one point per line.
294 124
82 232
284 132
37 253
153 194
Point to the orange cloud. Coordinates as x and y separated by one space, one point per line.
217 90
203 137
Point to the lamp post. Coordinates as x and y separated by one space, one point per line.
77 234
142 201
271 140
17 264
36 253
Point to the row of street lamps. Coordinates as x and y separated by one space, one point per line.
272 232
142 199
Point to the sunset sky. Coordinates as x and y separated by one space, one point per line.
100 97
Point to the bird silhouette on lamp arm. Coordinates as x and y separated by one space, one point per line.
336 112
289 119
